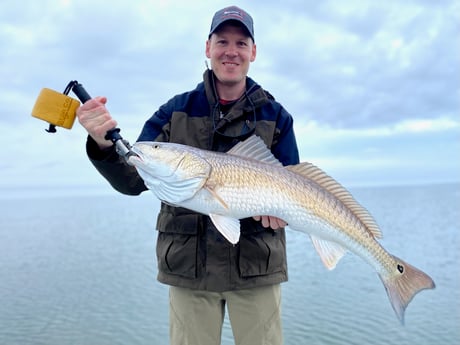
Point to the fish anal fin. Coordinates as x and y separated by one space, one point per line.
228 227
329 252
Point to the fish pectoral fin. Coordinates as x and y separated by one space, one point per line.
216 196
228 227
329 252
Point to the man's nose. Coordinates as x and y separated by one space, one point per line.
231 51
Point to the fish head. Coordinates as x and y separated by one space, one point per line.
173 172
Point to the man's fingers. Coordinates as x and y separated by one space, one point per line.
270 222
266 221
277 223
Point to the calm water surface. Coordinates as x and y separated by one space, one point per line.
81 270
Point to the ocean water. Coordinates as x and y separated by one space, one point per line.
81 269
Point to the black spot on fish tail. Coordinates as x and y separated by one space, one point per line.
400 268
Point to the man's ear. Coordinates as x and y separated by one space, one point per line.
208 49
254 53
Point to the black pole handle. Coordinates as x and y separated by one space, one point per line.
114 134
80 92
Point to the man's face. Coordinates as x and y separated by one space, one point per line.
231 51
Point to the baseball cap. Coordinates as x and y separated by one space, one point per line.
232 13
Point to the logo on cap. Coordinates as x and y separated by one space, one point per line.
232 13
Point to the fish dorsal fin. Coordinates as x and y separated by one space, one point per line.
329 252
317 175
228 227
254 148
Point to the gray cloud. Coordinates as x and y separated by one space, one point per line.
364 65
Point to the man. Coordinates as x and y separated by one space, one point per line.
205 272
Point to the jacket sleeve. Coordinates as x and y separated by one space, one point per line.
285 144
121 176
157 127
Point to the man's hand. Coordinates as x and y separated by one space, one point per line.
95 118
272 222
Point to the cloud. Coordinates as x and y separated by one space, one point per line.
356 63
412 151
371 85
406 127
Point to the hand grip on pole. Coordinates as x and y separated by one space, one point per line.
113 135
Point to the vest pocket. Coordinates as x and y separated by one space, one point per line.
176 254
262 253
177 244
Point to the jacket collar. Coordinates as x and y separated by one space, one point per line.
253 98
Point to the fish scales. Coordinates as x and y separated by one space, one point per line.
255 188
250 183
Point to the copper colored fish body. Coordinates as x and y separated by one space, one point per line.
248 181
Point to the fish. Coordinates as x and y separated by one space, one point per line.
249 181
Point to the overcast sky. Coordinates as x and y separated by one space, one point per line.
374 86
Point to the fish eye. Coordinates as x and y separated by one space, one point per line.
156 146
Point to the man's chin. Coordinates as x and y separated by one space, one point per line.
230 80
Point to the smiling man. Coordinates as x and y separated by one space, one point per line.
205 272
231 49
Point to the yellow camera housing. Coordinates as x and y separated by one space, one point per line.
55 108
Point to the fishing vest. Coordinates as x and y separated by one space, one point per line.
191 252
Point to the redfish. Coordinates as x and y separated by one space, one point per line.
249 181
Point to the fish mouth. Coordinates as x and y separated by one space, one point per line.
136 151
135 157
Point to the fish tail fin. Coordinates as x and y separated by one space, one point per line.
403 286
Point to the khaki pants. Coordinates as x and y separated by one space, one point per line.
196 317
